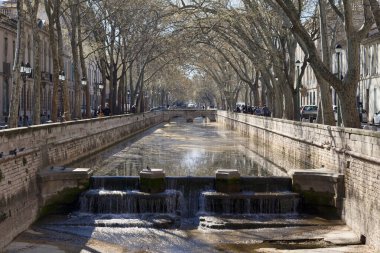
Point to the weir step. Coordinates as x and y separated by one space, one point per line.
263 221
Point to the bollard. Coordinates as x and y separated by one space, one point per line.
227 181
152 180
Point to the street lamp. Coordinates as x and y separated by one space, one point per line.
338 51
99 86
129 101
84 83
298 65
61 78
25 71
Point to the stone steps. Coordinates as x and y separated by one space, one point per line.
263 221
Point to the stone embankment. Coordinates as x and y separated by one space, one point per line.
29 157
331 155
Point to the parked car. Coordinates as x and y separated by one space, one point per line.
159 108
309 112
376 118
363 116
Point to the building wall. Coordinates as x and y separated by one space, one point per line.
7 41
8 29
296 145
40 147
369 86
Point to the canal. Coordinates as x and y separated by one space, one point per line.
182 149
194 151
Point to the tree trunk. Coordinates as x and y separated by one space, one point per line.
75 58
327 116
288 101
33 11
19 54
64 85
83 64
255 90
350 115
53 45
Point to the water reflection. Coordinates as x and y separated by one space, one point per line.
182 149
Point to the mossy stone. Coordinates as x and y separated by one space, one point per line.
63 202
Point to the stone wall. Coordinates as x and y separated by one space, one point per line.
29 150
299 146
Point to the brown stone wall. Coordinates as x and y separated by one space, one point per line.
353 152
40 147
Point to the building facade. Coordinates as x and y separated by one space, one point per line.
368 93
8 33
369 86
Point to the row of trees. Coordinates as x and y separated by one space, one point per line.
257 40
132 43
205 50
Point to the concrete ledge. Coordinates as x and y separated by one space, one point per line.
227 181
56 179
152 180
227 174
152 173
322 191
63 173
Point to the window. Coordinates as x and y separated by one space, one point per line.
5 49
29 51
5 97
374 59
13 49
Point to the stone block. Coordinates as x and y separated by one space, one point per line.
152 180
227 181
321 191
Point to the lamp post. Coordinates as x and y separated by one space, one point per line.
338 51
298 65
99 86
61 78
128 101
84 83
25 71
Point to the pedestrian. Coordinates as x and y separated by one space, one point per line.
100 111
266 111
107 110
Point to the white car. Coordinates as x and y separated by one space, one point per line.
376 118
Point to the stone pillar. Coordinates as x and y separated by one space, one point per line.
227 181
152 180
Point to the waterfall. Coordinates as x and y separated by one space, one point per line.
189 197
101 201
249 203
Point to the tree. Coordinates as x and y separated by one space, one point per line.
36 26
19 54
347 87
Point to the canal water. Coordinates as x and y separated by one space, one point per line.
182 149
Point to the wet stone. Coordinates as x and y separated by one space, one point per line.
152 180
227 181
